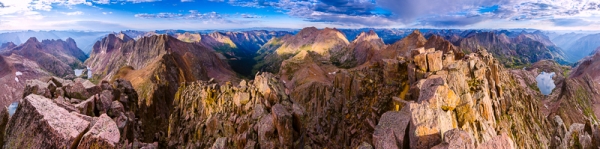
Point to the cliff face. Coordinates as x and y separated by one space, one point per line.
112 53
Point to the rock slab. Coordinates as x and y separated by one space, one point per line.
40 123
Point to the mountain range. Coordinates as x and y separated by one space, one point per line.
314 88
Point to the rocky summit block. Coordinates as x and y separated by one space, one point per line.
391 130
103 135
40 123
456 139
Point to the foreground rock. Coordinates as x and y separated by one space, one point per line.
104 134
391 130
40 123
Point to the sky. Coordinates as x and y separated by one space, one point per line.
115 15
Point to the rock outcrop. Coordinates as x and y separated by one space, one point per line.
205 113
39 123
102 134
106 119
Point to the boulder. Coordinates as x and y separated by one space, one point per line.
451 101
104 134
125 93
456 139
38 87
428 120
391 130
283 122
116 108
87 107
40 123
81 89
62 102
502 141
266 133
424 130
421 62
434 61
104 101
105 85
241 98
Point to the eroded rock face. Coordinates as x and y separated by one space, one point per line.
205 111
103 134
456 139
391 131
40 123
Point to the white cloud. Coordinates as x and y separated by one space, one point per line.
187 0
101 1
142 1
72 13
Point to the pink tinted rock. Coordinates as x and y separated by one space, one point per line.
40 123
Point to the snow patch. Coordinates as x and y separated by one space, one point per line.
18 73
17 79
545 82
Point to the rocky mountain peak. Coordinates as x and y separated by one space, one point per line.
7 46
367 36
32 40
123 37
307 31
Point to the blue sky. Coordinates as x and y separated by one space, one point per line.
115 15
